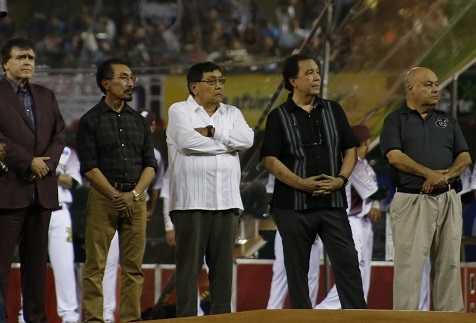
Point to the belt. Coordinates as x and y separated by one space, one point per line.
123 187
436 191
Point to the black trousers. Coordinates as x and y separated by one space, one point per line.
298 230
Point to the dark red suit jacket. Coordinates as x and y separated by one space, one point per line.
24 142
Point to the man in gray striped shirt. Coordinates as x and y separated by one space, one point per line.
310 148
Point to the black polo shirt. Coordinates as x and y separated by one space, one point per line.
308 144
433 142
118 144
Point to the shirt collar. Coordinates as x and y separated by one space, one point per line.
104 108
408 110
194 106
15 86
295 107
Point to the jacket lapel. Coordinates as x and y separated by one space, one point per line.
10 99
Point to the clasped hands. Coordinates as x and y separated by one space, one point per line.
435 179
321 185
38 169
123 202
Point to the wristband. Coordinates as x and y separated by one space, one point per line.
346 181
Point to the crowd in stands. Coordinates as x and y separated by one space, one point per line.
154 33
222 31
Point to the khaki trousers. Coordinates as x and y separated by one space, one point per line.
102 221
425 225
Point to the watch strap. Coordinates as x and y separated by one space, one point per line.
209 131
136 195
345 179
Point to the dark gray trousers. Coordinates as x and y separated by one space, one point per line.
199 234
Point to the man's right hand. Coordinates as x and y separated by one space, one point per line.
170 237
39 168
2 150
313 183
435 179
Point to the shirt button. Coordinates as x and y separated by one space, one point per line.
122 145
120 129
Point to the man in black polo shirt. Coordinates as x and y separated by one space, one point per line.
310 148
115 149
427 151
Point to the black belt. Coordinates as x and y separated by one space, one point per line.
436 191
123 187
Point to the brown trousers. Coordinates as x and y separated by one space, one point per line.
102 221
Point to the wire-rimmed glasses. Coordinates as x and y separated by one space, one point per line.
213 82
126 78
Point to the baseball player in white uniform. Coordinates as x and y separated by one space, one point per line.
112 263
468 184
364 206
279 285
60 239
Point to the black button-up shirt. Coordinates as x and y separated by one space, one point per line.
118 144
308 144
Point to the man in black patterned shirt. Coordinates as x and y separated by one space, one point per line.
309 147
115 149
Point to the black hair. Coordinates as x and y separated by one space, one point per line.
195 73
291 68
105 71
20 42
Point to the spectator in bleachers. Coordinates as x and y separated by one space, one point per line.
105 28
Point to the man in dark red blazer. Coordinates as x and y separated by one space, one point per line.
33 130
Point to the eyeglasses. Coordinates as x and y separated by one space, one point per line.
126 78
213 82
311 144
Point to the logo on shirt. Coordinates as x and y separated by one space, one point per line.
441 122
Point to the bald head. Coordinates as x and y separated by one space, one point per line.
416 74
421 87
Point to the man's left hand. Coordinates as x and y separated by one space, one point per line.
327 184
124 201
202 131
